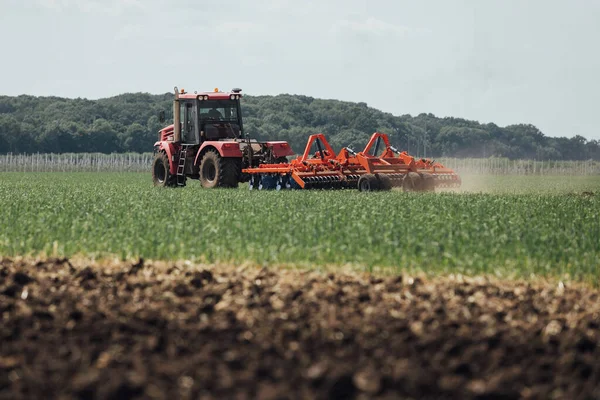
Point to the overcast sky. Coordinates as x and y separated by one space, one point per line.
501 61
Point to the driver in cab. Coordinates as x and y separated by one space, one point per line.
215 114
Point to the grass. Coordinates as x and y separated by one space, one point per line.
508 225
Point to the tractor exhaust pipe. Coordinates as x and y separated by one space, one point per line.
176 118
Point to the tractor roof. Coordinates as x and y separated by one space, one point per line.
214 95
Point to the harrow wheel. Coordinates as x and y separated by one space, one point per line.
428 182
385 182
412 182
368 183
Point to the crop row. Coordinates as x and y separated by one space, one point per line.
515 226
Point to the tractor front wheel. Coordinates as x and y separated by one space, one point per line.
217 171
161 174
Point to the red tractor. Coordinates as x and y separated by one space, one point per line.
207 142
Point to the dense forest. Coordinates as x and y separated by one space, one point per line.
129 123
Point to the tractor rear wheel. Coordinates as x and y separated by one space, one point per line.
217 171
161 174
231 168
368 183
412 182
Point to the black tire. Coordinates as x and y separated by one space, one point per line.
428 183
368 183
161 174
231 170
217 171
412 182
385 182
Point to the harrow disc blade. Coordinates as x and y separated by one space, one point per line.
324 182
283 182
267 182
253 182
447 180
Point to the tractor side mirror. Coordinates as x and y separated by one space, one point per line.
161 116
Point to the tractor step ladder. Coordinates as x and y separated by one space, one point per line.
181 166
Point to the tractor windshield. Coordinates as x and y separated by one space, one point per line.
219 119
219 110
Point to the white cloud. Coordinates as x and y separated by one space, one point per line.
111 7
130 31
52 4
240 27
253 61
371 25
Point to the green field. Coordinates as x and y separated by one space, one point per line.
507 225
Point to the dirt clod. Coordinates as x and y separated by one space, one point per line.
367 380
157 330
182 290
86 274
21 278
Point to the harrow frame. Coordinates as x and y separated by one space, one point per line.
364 170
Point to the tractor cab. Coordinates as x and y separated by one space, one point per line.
207 142
210 116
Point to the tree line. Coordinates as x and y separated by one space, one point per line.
129 123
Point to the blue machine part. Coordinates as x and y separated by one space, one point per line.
268 181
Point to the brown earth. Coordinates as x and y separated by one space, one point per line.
182 331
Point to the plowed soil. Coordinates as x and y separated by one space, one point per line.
150 330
